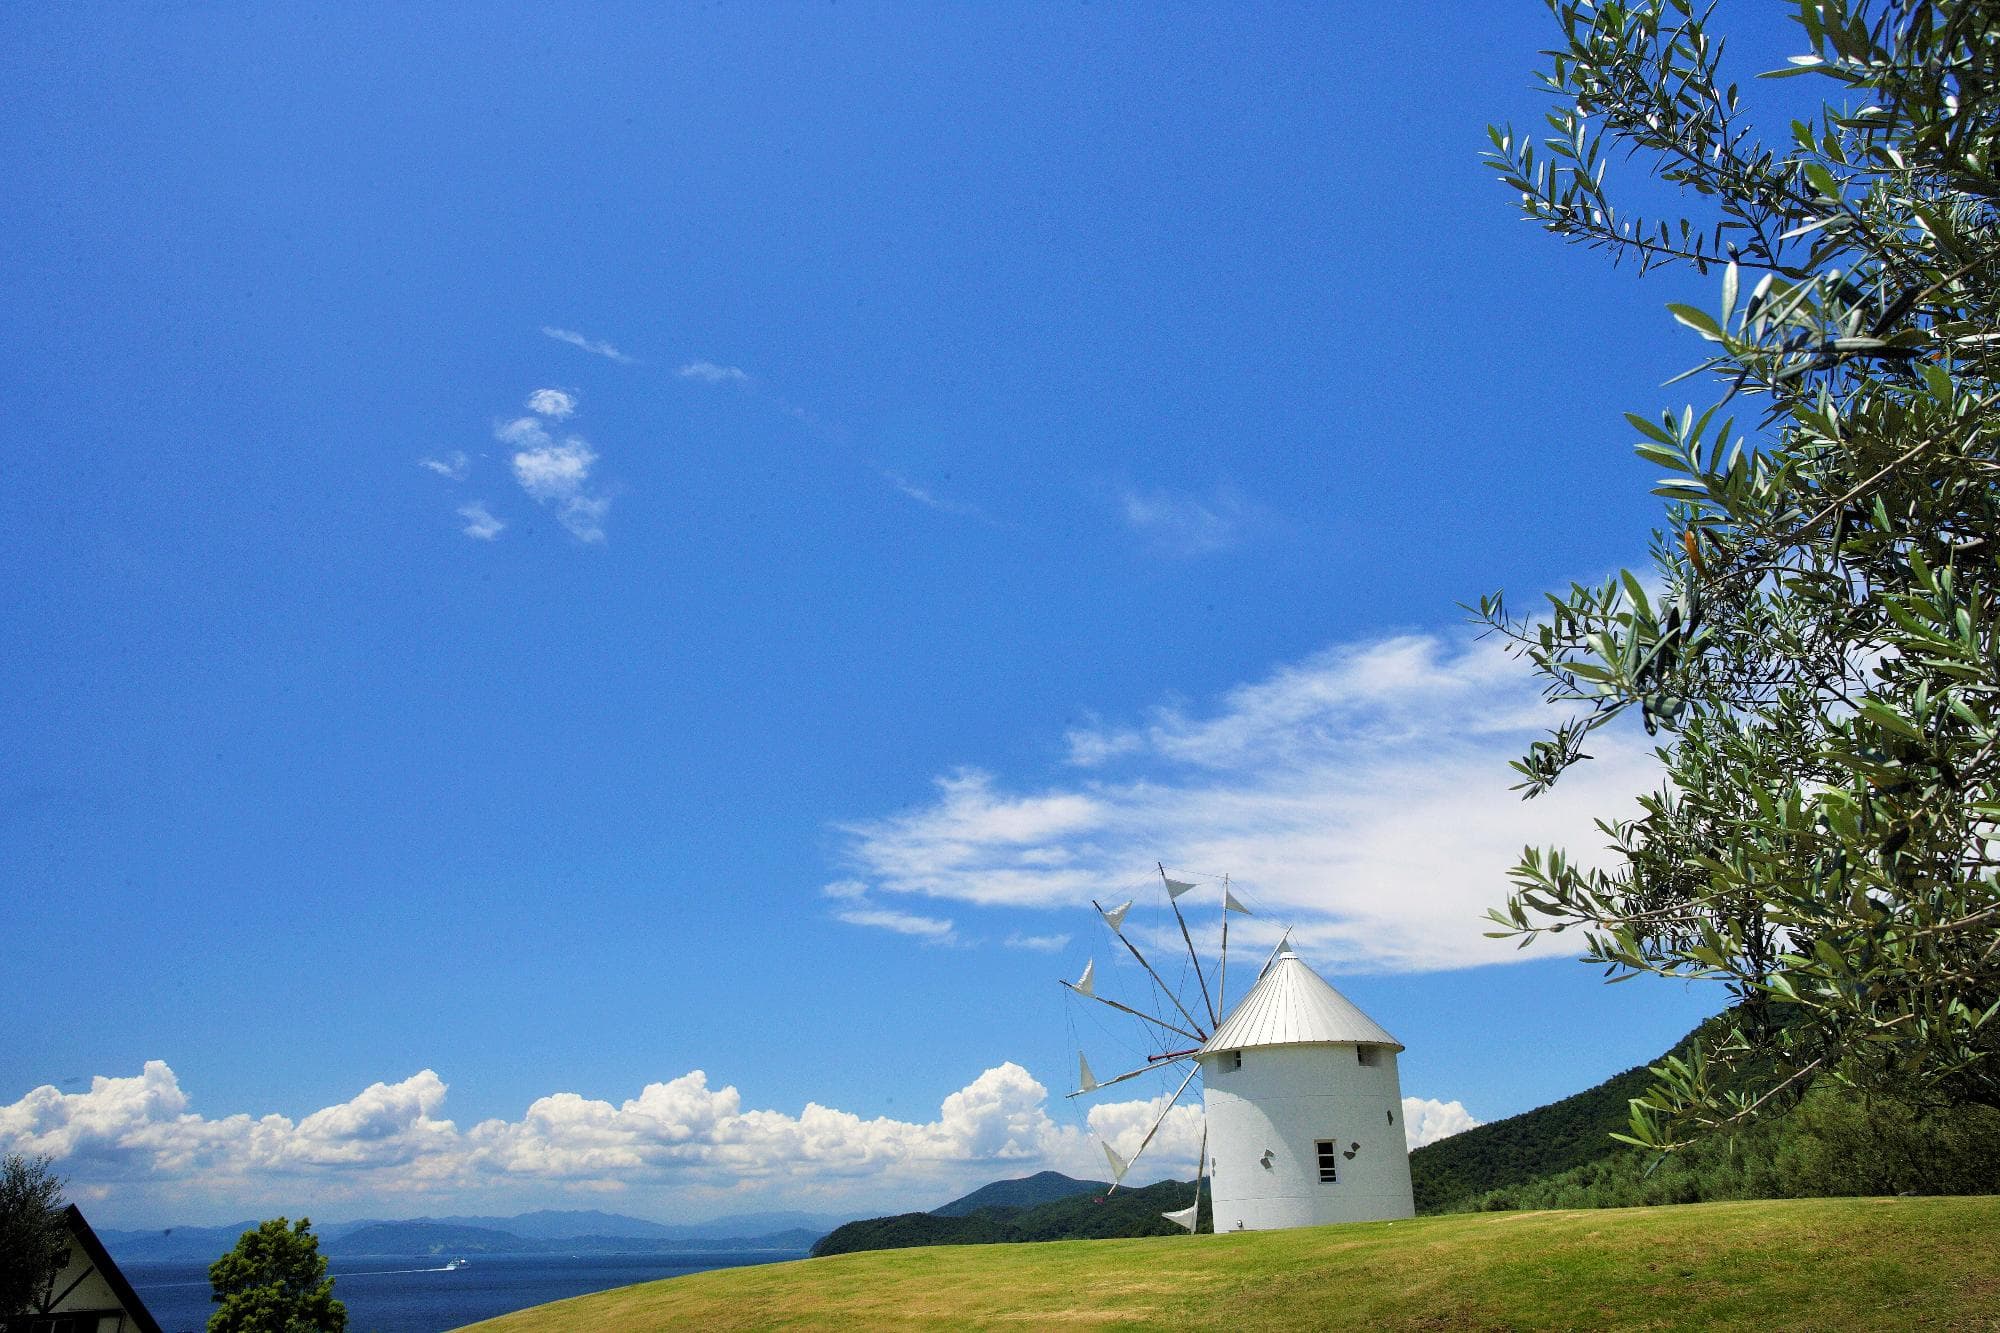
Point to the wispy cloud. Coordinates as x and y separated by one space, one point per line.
556 472
857 909
930 499
1185 525
1360 795
139 1143
479 522
1037 943
711 373
592 345
455 465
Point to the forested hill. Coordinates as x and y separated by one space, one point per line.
1026 1192
1548 1140
1091 1216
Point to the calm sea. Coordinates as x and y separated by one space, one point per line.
400 1294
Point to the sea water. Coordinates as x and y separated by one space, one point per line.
402 1294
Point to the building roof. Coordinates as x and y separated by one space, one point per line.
100 1258
1290 1006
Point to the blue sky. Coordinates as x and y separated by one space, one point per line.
557 549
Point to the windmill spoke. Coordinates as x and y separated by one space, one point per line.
1175 888
1122 1166
1092 1084
1136 1013
1193 1022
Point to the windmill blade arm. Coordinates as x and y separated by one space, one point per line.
1158 1120
1146 1068
1136 1013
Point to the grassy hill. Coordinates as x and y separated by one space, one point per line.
1801 1263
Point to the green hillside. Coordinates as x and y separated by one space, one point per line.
1831 1264
1447 1175
1025 1192
1090 1215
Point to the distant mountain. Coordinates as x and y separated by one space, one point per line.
1026 1192
186 1244
428 1238
545 1231
452 1238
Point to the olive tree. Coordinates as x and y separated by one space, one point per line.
275 1281
34 1240
1815 646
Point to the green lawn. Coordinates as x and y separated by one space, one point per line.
1790 1264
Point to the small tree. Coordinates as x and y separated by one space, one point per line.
275 1281
1817 644
34 1242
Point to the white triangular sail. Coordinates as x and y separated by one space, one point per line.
1229 904
1119 1166
1086 984
1175 888
1116 916
1088 1082
1185 1217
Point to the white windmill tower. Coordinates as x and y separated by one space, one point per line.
1303 1109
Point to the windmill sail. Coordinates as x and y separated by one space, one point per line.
1087 1082
1116 916
1175 887
1086 984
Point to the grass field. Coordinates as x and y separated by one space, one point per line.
1790 1264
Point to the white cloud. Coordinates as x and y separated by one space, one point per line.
858 910
575 339
138 1145
479 522
711 373
1360 796
935 929
553 471
455 465
552 403
1182 525
138 1141
1037 943
1426 1120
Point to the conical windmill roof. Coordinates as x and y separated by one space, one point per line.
1291 1005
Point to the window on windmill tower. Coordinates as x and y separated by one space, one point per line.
1368 1055
1329 1160
1235 1060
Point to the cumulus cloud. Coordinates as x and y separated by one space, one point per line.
1184 525
138 1139
455 465
1426 1120
711 373
591 345
556 471
138 1142
479 522
1359 796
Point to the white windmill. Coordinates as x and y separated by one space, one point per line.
1303 1109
